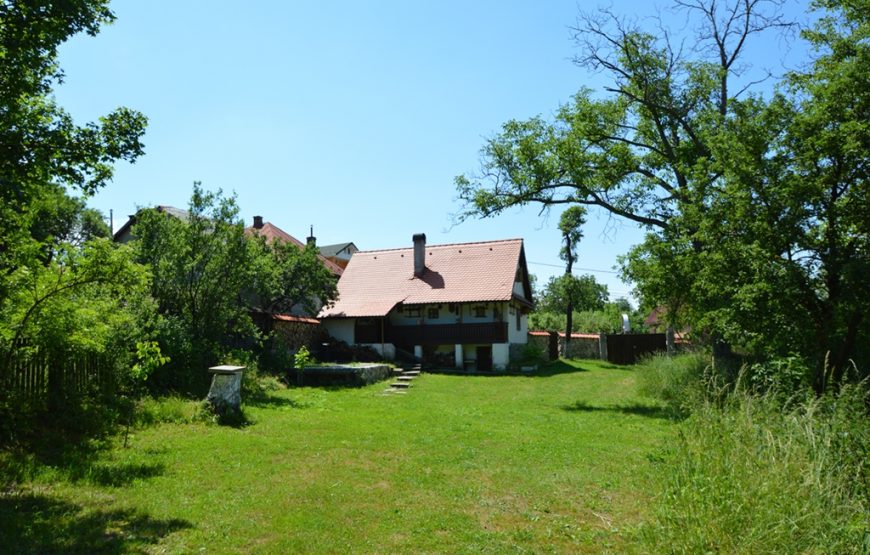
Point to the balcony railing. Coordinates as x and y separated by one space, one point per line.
448 334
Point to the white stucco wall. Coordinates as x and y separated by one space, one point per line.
341 329
500 355
515 335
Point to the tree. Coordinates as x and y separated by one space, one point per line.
580 292
62 285
570 223
43 152
287 277
200 267
755 207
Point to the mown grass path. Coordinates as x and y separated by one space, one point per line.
547 463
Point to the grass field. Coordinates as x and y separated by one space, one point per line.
512 464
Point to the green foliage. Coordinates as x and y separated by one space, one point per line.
148 359
533 354
756 207
200 266
606 320
303 358
287 277
63 286
45 154
748 477
580 292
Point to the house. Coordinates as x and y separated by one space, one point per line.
339 253
274 233
458 305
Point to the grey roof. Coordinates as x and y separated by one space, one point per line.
333 250
122 235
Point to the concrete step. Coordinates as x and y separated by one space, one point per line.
411 373
404 378
400 385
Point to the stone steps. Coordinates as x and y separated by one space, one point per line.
403 377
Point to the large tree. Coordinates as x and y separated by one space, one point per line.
44 156
755 207
200 264
571 226
63 285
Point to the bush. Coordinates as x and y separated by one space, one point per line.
781 377
679 381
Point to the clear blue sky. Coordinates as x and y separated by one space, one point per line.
353 117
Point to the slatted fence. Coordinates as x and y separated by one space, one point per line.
31 373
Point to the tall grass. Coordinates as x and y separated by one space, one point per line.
751 474
678 381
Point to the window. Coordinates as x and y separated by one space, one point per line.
412 311
432 313
480 312
519 322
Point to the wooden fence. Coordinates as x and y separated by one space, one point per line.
38 375
628 348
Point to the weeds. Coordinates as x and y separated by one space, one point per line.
759 472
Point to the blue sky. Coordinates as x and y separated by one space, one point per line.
353 117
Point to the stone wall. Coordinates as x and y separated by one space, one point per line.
580 346
349 375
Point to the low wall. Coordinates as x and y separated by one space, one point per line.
582 345
339 374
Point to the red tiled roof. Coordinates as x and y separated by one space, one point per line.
376 281
272 232
291 318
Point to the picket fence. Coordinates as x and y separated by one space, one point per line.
34 374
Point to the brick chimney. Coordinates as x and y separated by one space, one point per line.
258 222
419 254
311 239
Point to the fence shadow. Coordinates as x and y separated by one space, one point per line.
637 409
36 523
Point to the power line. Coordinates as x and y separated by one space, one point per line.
581 269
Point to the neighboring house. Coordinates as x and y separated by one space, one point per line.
460 305
339 253
125 234
272 233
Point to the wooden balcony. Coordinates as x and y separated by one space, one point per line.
448 334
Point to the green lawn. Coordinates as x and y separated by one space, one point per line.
547 463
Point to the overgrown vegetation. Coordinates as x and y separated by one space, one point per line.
758 467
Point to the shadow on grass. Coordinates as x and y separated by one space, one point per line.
635 409
545 370
273 401
118 474
76 464
36 523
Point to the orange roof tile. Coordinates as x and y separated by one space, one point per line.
291 318
376 281
272 232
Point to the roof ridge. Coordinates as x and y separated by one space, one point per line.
432 246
